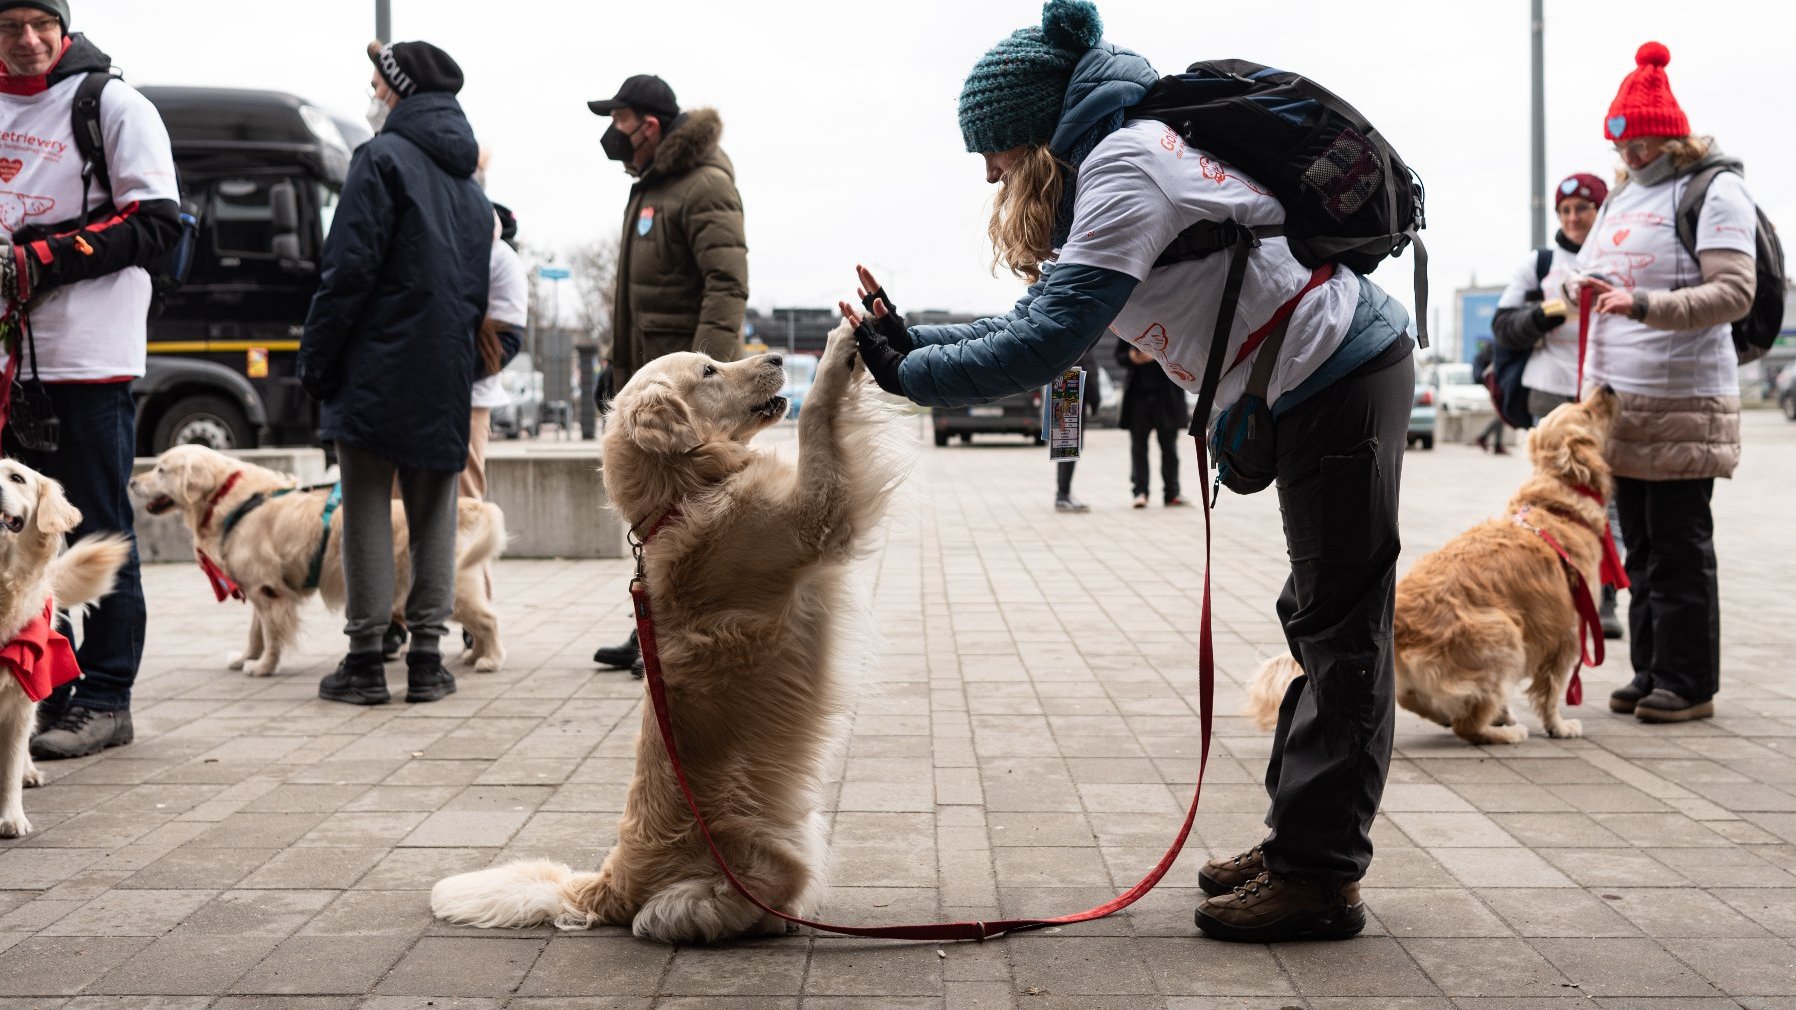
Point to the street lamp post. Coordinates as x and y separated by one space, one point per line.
383 20
1538 203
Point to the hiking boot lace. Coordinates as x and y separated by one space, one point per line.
74 719
1251 888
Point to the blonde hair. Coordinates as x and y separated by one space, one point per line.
1022 224
1686 153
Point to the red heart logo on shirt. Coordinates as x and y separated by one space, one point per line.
10 167
1621 236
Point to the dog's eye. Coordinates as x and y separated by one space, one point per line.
18 478
710 370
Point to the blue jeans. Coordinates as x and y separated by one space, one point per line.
93 465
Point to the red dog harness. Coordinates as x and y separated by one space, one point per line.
223 586
40 658
1590 630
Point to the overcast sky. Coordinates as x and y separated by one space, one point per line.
840 117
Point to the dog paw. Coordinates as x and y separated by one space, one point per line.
487 664
14 825
32 777
235 660
1568 729
1504 718
261 668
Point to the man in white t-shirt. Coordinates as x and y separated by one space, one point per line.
74 261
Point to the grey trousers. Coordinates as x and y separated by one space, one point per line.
429 498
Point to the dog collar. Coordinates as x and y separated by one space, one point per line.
218 496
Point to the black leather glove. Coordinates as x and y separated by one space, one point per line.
1541 321
891 326
881 358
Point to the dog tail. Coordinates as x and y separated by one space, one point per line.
85 572
524 893
485 537
1267 690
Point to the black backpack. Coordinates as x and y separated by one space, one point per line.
1348 197
1504 377
1757 330
170 270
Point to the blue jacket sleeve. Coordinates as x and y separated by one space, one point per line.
350 265
1060 318
954 333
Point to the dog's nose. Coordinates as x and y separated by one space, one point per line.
775 360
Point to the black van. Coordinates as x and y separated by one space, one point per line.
262 170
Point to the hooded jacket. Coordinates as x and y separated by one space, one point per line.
389 341
682 261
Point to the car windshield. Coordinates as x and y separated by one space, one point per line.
1455 373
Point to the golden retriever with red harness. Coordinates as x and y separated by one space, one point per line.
747 570
1498 605
37 577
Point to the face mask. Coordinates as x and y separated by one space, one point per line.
377 113
1655 171
616 145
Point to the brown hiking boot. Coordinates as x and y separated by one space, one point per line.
1271 907
1664 706
1225 873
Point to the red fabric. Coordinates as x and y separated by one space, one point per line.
13 84
1611 573
1590 624
223 586
40 658
1644 106
1318 277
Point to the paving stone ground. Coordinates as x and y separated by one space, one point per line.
1024 743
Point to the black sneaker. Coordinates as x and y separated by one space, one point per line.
425 678
81 731
360 679
393 640
621 656
1606 613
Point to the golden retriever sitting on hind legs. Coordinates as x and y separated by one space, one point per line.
1496 606
746 558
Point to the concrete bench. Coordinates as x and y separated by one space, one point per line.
555 505
165 538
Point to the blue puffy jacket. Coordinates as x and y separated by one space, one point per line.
389 341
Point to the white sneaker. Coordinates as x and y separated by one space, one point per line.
1141 501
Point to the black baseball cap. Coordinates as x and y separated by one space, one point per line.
645 93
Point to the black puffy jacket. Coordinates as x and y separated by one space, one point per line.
389 341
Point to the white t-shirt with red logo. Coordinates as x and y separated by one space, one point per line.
94 329
1634 244
1138 189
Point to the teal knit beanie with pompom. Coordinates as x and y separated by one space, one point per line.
1016 91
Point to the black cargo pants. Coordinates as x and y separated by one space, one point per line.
1340 460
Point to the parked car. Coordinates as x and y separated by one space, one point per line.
1457 389
524 384
1786 390
1421 416
1019 414
801 371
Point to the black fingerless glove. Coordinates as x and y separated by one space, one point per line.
1542 322
881 359
891 326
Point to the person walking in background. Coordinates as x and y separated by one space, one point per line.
1662 340
1152 405
1551 339
410 308
1493 432
682 263
76 272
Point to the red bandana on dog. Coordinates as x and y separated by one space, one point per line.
40 658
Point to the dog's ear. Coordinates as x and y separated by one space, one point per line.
657 420
54 513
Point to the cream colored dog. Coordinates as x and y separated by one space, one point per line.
34 572
1493 607
748 587
269 551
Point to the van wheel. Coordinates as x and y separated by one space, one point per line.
966 438
941 438
210 421
1427 441
1789 405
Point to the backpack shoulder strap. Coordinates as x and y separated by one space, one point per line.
90 140
1690 206
1543 264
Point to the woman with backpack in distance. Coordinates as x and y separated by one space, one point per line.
1087 205
1662 339
1551 339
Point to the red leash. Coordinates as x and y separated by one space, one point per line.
1590 625
976 930
223 586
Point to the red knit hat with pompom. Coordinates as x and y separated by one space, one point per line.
1645 106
